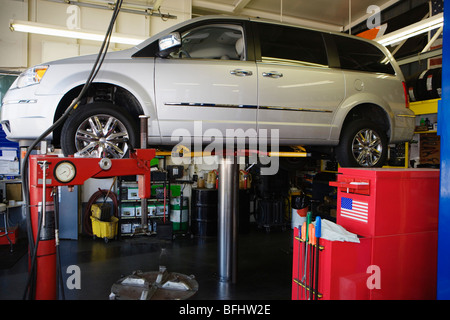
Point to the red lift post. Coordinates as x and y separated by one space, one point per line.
50 171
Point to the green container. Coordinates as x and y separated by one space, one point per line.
179 215
175 190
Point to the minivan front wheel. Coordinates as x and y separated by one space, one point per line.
99 130
362 144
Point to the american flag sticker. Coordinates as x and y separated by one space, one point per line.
356 210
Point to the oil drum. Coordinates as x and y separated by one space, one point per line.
179 213
244 211
204 212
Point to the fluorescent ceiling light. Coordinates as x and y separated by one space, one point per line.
413 30
45 29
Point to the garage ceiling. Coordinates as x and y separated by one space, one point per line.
336 15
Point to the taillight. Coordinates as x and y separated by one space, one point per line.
405 92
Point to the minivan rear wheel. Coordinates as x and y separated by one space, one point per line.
363 144
99 130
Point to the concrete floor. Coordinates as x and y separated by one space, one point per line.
264 265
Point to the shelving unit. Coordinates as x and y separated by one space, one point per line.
130 204
425 107
429 141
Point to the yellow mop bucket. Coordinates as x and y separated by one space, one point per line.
104 229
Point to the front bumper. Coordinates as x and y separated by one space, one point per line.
26 117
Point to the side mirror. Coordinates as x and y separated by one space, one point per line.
169 43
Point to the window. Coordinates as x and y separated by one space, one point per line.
212 42
360 55
292 44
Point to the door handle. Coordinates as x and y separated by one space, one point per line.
241 73
272 74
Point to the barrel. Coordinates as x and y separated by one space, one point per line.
204 212
244 211
179 214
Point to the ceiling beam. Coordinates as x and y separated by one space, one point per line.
239 5
157 5
420 56
365 16
220 8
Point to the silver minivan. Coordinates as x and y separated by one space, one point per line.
315 88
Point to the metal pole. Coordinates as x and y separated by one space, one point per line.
227 218
234 239
443 267
144 141
44 180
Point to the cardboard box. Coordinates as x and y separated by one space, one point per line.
127 211
14 191
125 228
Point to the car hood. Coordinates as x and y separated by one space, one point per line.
115 55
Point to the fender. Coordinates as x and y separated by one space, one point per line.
356 100
141 87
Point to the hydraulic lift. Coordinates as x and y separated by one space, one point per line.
50 171
228 201
47 172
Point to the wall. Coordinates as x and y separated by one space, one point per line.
19 50
13 45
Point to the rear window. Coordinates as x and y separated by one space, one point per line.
362 56
292 44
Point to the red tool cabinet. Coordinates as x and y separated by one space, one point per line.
395 214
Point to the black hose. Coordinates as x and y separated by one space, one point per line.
33 245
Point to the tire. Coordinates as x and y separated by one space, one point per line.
362 144
99 130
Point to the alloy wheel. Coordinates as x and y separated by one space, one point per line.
367 147
101 136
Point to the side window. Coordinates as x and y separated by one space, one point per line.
359 55
292 44
212 42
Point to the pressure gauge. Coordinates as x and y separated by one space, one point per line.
65 171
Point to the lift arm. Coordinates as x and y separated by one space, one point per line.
85 168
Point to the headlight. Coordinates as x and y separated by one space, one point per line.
29 77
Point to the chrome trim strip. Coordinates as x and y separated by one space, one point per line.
193 104
295 109
405 115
